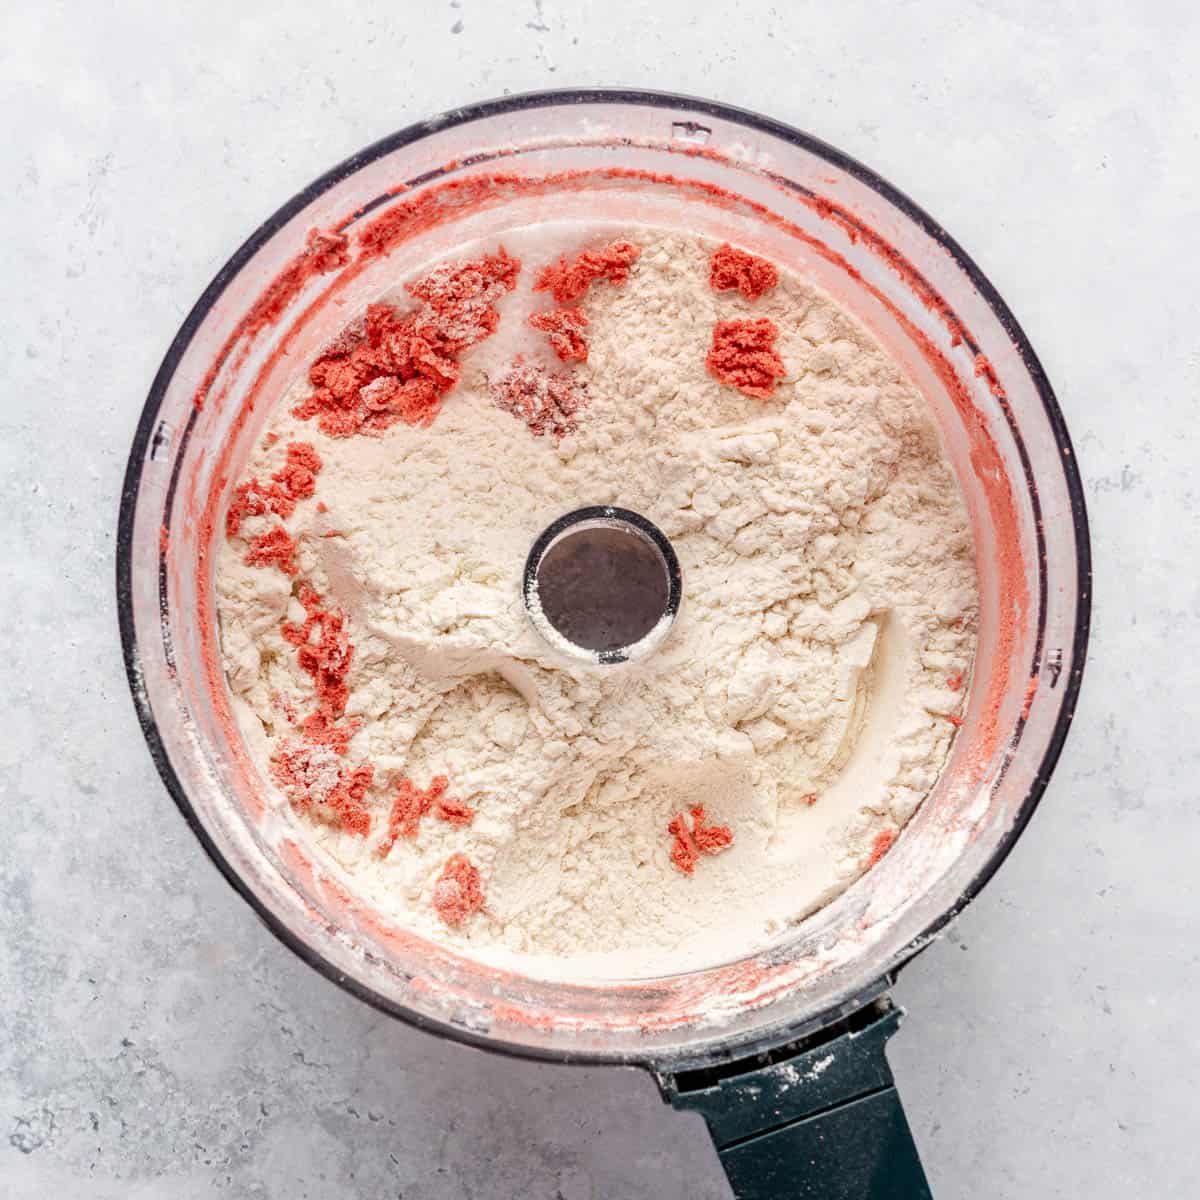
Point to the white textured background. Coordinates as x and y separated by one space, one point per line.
154 1039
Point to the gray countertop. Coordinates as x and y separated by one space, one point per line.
155 1040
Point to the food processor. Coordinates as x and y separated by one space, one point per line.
781 1051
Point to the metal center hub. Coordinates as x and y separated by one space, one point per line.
603 584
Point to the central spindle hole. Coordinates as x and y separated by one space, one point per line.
603 579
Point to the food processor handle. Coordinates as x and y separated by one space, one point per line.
818 1119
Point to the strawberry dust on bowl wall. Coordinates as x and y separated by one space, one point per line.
525 807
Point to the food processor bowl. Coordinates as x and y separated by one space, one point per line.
656 159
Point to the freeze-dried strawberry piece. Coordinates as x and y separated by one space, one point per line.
567 280
701 838
564 329
731 269
458 893
743 356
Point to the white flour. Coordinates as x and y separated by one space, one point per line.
829 609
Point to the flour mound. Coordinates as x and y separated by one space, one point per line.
803 698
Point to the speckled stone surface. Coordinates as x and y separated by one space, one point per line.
155 1041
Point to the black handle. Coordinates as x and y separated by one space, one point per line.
815 1120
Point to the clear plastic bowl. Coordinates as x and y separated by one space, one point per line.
664 160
